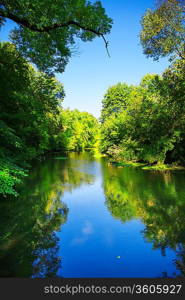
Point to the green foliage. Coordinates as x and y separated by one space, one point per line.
115 99
46 30
29 103
79 130
163 30
10 175
150 126
32 121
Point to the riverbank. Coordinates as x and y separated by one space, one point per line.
145 166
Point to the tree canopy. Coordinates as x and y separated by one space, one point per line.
150 127
46 30
163 30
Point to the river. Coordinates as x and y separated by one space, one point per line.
82 217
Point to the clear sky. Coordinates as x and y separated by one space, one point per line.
90 72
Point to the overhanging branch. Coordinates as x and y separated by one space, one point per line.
25 23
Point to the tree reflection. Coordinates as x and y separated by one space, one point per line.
28 243
158 199
180 261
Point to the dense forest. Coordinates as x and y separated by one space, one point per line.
143 123
146 122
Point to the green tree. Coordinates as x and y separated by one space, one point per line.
172 93
29 103
163 30
46 30
79 130
115 100
150 127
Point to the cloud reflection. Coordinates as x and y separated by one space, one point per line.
86 231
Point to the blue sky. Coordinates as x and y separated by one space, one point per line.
90 72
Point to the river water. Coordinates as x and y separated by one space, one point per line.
82 217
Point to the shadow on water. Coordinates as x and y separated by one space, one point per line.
29 239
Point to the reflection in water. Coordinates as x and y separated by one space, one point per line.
28 242
34 238
158 199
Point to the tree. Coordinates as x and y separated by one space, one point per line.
174 97
163 30
29 102
46 30
79 130
115 100
150 125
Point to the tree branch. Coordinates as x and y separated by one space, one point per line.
33 27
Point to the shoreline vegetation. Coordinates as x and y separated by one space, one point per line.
146 166
135 164
122 164
146 123
58 155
